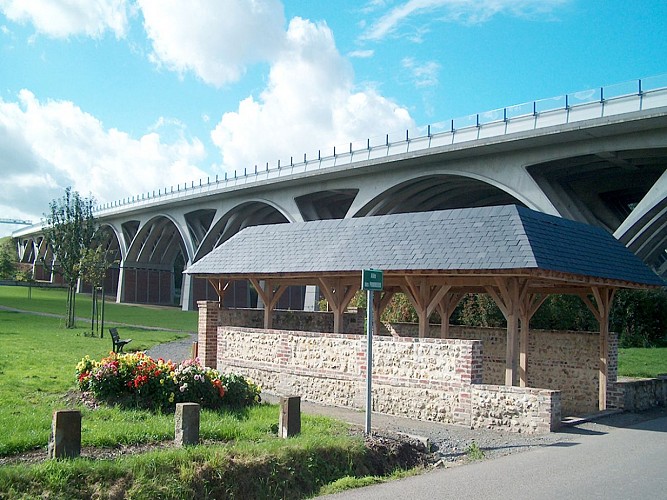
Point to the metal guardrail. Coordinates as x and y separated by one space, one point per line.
611 100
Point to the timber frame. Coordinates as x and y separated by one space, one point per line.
515 255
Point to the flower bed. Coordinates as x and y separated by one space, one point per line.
138 381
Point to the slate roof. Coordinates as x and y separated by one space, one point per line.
489 238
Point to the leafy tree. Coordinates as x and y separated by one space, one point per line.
93 269
70 228
478 309
640 317
7 259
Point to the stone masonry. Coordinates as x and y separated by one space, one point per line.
427 379
561 360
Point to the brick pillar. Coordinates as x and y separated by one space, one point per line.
209 312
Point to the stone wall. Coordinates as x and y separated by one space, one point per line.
638 394
303 321
427 379
563 361
515 408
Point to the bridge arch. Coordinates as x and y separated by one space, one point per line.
111 241
151 271
439 191
250 213
254 212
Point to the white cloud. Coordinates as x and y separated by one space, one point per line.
64 18
215 39
423 74
464 11
47 146
361 54
309 103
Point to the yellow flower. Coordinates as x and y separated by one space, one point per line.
171 397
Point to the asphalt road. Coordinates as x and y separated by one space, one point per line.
599 461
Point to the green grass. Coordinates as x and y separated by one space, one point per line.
37 362
245 458
642 362
52 300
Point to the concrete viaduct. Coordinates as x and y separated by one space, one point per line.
598 157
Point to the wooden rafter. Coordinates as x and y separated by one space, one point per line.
446 308
425 297
270 296
339 293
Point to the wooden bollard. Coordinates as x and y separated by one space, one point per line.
186 423
65 439
290 416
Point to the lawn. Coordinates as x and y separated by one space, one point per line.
642 362
242 457
52 300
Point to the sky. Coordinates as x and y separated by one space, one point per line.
118 97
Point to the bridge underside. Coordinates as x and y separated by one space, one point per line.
605 189
611 174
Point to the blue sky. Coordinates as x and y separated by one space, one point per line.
119 97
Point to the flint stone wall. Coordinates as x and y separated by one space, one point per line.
427 379
305 321
566 361
639 394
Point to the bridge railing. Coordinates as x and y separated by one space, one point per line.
610 100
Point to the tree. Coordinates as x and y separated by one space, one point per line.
7 259
70 228
93 269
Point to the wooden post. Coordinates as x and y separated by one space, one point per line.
507 297
338 294
186 424
379 307
65 439
289 423
446 308
601 309
424 298
270 298
529 304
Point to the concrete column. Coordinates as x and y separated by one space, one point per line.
186 424
310 300
65 439
209 314
187 292
290 416
120 290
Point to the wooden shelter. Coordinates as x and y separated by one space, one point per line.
516 255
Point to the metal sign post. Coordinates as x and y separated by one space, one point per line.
371 281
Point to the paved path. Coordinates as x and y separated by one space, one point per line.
600 461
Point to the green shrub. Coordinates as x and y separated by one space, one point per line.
136 380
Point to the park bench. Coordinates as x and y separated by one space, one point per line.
118 343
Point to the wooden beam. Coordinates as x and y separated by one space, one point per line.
507 297
528 306
220 286
603 299
379 306
338 293
269 296
446 308
424 295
